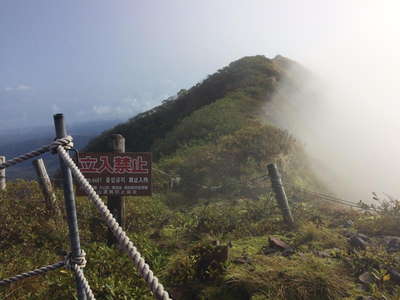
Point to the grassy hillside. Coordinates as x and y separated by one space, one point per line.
216 250
211 234
254 76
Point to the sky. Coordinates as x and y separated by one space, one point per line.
111 59
98 59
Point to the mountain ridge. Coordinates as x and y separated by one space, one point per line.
217 133
239 74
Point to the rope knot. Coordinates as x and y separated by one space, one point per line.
79 260
65 142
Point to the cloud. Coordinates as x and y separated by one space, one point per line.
102 109
124 108
349 118
55 108
18 87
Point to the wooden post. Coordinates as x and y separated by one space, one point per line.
70 207
280 194
2 175
116 204
45 185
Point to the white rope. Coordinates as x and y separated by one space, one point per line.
142 267
67 141
76 264
85 283
71 261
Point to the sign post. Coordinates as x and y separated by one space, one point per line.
2 175
115 175
116 203
46 186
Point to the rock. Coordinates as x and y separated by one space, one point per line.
324 253
394 275
348 223
242 260
288 252
366 278
393 245
348 234
358 242
388 238
277 243
215 243
155 235
268 250
363 236
363 287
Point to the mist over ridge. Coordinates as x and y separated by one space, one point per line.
347 114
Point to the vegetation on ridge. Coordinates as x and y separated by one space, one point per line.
255 76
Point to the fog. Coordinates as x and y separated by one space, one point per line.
347 112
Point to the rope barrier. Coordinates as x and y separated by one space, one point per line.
331 198
214 188
36 272
67 141
355 205
85 283
142 267
327 196
71 261
257 178
324 195
162 172
76 264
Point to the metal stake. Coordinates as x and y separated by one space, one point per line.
280 194
69 199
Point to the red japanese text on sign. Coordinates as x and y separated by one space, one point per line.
117 173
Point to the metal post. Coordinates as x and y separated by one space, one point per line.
2 175
45 185
280 194
116 204
69 199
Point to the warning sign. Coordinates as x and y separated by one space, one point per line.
117 173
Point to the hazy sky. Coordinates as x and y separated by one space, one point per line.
111 59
